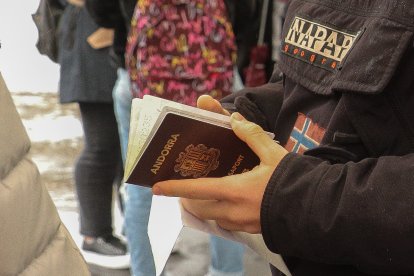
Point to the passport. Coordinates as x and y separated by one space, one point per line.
169 140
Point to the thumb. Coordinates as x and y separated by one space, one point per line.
207 102
256 138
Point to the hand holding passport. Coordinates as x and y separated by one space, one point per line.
169 141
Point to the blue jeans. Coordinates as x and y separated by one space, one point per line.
138 199
226 256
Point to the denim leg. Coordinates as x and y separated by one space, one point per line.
226 257
122 104
138 199
137 210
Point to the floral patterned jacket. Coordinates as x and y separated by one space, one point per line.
181 49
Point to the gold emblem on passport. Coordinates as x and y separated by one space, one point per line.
317 44
197 161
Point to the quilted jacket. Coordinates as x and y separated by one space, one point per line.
33 240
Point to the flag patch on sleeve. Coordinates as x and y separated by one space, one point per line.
317 44
305 135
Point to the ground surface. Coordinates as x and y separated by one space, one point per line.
56 135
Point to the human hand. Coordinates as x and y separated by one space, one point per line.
232 201
207 102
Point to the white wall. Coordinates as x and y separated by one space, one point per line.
21 65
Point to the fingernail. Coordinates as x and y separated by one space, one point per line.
156 190
237 116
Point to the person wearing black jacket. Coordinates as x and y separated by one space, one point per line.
87 78
117 14
337 198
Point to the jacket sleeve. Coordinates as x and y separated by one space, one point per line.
359 214
258 104
106 13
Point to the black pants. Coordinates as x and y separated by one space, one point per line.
98 168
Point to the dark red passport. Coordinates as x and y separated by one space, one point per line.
188 147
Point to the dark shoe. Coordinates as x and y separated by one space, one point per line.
107 251
110 246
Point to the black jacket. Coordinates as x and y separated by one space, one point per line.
344 206
116 14
86 74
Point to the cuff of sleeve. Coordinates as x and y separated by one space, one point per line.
266 208
287 202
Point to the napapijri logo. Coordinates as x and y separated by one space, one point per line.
317 44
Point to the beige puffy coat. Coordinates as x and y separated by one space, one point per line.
33 240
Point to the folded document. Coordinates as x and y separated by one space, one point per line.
168 212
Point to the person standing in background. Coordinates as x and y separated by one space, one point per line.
117 14
86 77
